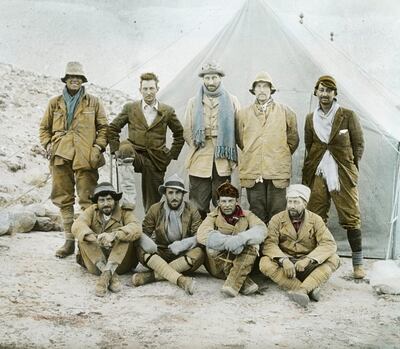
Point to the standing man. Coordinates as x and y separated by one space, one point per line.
231 237
105 232
172 224
148 120
73 131
299 252
210 134
334 144
267 134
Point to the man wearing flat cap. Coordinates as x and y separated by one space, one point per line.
73 131
105 232
334 144
172 225
210 133
299 253
232 237
148 121
267 135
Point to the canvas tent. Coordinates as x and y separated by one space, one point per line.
254 40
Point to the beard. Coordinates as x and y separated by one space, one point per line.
175 204
294 214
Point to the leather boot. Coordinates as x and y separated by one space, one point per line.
143 278
186 284
249 287
315 294
115 284
300 297
103 283
358 272
67 215
67 249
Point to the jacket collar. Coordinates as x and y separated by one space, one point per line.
288 228
161 111
115 217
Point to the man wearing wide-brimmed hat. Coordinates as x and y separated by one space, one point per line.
210 133
172 224
73 131
267 135
299 252
105 232
335 143
232 237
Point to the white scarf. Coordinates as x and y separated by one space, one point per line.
327 167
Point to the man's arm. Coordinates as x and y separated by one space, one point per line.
46 124
308 133
356 137
196 221
205 229
101 126
187 129
116 126
292 134
271 244
132 230
177 133
81 227
149 221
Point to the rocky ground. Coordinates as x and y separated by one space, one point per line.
50 303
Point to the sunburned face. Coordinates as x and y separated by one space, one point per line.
106 204
174 198
262 90
212 81
295 207
325 96
74 83
227 205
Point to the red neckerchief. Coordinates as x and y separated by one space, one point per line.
235 216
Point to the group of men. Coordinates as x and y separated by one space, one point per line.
299 251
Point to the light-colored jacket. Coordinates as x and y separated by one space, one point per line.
154 223
89 127
200 161
216 221
267 141
313 239
122 219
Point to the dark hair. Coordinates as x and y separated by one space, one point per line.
148 77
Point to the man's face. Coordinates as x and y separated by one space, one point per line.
295 207
174 198
212 81
74 83
262 90
148 89
227 205
106 204
325 95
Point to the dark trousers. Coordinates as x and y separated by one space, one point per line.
204 190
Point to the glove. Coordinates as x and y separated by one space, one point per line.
90 237
180 246
126 150
302 264
106 239
288 268
255 235
235 244
146 244
216 240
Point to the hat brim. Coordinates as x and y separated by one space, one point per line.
273 90
116 196
162 188
220 73
64 79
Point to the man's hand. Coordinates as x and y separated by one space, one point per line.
106 239
49 149
302 264
288 268
235 244
90 237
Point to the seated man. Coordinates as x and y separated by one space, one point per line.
232 237
105 232
299 252
172 223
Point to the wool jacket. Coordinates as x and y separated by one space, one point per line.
313 239
154 223
267 141
122 220
200 161
216 221
346 144
89 127
150 139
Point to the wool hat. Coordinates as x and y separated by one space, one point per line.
262 77
327 81
174 182
227 189
74 68
105 188
298 190
211 68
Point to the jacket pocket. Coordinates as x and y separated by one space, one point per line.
96 159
